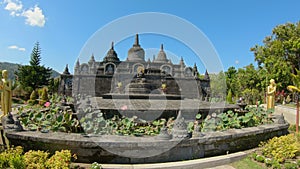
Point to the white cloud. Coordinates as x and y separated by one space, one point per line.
237 61
34 17
15 47
13 6
22 49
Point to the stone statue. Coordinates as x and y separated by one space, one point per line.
271 94
6 95
164 88
119 87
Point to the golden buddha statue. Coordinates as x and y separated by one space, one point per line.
6 95
271 94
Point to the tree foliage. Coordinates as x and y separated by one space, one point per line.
280 53
278 58
218 86
35 58
34 75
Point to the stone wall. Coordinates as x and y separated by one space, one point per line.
91 149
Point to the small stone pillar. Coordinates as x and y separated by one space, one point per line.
179 130
163 134
281 119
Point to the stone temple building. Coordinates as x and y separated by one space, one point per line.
111 75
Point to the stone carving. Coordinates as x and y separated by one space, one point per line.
6 95
281 119
271 94
179 130
164 135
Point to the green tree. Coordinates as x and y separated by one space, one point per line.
231 80
218 86
35 58
229 97
280 54
34 75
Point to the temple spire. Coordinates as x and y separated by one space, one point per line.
136 43
206 76
92 59
112 45
66 71
162 47
77 63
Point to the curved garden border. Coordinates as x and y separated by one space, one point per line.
88 150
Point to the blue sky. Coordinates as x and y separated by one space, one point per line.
64 27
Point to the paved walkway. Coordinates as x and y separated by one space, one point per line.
289 113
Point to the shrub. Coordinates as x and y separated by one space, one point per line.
260 158
268 162
275 164
12 158
290 165
60 160
229 97
33 98
95 165
253 155
44 96
36 159
17 162
281 148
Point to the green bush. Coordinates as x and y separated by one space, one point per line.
44 96
33 98
253 156
268 162
281 148
17 162
260 158
12 158
290 165
275 164
95 165
60 160
36 159
229 97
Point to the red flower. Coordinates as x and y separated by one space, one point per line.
47 104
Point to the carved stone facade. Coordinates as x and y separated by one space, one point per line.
108 76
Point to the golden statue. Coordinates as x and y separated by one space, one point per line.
271 94
6 95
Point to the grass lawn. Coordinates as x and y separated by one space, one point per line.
248 163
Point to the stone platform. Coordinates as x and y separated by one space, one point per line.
143 96
151 109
